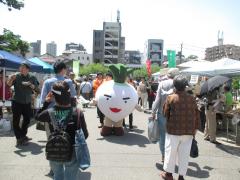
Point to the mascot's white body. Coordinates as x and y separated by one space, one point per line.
116 99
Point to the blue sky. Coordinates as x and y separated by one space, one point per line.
195 23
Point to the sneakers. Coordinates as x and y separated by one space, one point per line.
101 125
27 138
22 142
50 174
180 178
166 176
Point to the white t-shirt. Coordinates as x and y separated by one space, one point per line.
85 87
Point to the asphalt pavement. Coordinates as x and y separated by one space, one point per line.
130 157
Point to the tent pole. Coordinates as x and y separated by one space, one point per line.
4 83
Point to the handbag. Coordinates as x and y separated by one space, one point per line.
5 125
81 148
153 130
194 149
40 126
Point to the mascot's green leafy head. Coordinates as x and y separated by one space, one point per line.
120 72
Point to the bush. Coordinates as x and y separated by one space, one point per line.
93 69
138 73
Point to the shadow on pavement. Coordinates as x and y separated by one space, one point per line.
84 175
43 141
135 130
128 139
230 149
198 173
32 147
159 166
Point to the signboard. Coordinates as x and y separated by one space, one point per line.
171 56
76 67
194 79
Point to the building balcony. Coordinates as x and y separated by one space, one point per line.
111 39
111 47
155 50
110 56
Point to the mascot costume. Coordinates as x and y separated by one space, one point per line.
116 99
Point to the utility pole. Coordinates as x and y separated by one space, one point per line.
181 53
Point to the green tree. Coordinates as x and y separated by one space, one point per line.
190 57
142 72
12 43
93 69
15 4
236 83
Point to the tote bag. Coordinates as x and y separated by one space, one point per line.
153 130
81 147
81 150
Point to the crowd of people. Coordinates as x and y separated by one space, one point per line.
170 104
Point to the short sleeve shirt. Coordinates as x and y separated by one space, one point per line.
22 93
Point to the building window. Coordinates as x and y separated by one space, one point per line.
87 58
78 58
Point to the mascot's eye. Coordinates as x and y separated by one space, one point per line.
107 96
125 99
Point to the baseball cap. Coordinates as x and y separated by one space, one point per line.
26 64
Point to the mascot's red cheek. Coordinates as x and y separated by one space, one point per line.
115 110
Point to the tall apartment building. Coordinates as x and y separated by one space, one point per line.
36 48
74 46
98 46
154 50
52 48
108 44
221 51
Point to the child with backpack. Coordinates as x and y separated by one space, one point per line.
64 121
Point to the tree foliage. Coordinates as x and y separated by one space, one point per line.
138 73
190 57
13 43
93 69
15 4
236 83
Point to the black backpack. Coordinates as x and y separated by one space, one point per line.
59 147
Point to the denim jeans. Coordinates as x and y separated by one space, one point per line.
162 129
65 171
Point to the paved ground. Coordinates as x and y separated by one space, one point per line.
130 157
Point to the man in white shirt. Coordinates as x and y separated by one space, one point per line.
85 89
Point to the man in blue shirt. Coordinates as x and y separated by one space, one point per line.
60 70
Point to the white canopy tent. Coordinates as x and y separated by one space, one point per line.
225 66
194 64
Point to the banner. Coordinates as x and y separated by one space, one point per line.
171 56
76 67
148 66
